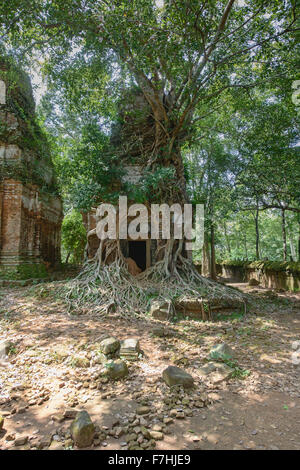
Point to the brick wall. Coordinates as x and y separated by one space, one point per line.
30 211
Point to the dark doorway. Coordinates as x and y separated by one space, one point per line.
137 251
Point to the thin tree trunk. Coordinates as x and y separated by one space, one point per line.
293 250
205 258
298 238
245 245
257 235
68 256
283 224
213 270
227 239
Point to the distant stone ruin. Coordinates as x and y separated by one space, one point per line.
30 206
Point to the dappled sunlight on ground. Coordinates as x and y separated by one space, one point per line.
40 379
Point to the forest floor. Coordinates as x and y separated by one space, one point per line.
257 409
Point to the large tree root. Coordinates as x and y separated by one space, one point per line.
101 287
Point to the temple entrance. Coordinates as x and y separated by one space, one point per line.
137 251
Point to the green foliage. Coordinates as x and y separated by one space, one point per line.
152 185
238 372
219 356
234 317
74 236
217 76
293 267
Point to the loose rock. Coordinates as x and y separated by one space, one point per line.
173 375
130 349
216 372
116 369
82 429
221 351
109 345
143 410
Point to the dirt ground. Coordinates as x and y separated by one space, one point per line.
259 408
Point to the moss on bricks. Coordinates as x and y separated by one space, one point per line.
279 266
23 271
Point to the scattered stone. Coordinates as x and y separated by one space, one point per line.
116 369
70 414
145 432
186 303
143 410
131 437
156 435
130 349
168 420
68 444
20 441
99 358
5 347
44 442
82 429
80 361
119 432
143 421
221 351
58 418
173 375
109 345
160 309
295 345
216 372
55 445
159 331
157 427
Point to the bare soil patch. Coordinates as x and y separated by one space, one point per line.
40 380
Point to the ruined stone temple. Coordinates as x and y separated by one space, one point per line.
141 251
132 133
133 115
30 207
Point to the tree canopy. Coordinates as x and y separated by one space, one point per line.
217 77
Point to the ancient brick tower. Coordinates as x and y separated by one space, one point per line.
30 207
132 137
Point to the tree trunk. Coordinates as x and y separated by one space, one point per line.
213 270
257 235
205 258
283 224
293 251
245 245
227 239
298 238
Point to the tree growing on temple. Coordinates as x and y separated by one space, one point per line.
183 56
